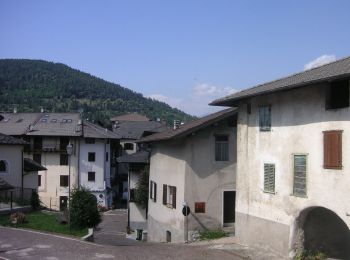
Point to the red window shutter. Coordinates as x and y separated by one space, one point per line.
174 197
155 192
164 194
332 149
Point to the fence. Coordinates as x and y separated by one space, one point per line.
15 198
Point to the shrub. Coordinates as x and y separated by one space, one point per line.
83 209
310 255
34 200
18 218
211 234
141 191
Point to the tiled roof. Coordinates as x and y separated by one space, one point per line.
130 117
31 166
6 139
190 127
17 123
94 131
331 71
138 157
135 130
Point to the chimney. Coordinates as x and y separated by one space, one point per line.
176 124
41 110
15 110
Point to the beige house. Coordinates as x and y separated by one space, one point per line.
293 137
193 165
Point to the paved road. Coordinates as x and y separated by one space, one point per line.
25 244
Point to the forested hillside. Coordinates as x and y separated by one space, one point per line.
32 84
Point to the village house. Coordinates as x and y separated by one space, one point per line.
293 177
48 135
193 164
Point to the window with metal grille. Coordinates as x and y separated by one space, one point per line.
221 148
299 186
169 196
269 177
332 158
265 118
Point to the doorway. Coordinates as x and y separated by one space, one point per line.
63 202
229 205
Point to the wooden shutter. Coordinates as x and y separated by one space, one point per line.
155 192
174 197
332 149
164 194
269 177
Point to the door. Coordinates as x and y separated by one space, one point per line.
229 207
63 202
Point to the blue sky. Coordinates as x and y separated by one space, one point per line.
186 53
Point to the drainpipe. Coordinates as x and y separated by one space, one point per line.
22 189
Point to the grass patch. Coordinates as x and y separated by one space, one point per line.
212 234
309 255
45 222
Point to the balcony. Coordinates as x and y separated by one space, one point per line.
47 148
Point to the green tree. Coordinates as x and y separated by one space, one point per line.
83 209
141 191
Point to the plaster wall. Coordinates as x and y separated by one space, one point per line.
299 118
12 154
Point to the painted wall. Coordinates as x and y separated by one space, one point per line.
190 165
12 154
298 119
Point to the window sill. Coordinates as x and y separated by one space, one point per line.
333 167
270 192
299 196
170 206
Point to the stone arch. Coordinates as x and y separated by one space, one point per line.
320 229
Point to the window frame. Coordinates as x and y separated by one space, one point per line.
94 175
274 179
306 175
224 147
7 167
94 157
339 166
153 191
39 180
170 196
265 128
131 148
64 176
199 207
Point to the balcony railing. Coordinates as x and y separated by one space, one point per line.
49 148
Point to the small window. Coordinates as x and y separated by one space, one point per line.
39 180
64 180
337 95
91 157
265 118
63 159
221 148
169 196
3 166
91 176
332 149
89 140
106 156
299 186
269 177
128 146
37 158
199 207
153 191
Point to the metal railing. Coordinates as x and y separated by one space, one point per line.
16 197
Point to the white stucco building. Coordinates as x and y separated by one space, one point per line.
292 165
193 164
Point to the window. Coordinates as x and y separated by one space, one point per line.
63 159
89 140
3 166
128 146
38 143
64 180
337 95
106 156
332 158
153 191
39 180
64 141
37 158
169 196
91 157
269 177
199 207
299 186
91 176
265 118
221 148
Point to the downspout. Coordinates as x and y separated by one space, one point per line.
104 172
22 188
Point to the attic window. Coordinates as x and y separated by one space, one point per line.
128 146
67 120
44 120
338 95
53 120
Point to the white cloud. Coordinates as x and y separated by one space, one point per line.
196 103
322 60
205 89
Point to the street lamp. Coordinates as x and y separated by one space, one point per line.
69 152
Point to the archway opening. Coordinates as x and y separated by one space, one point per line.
324 231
